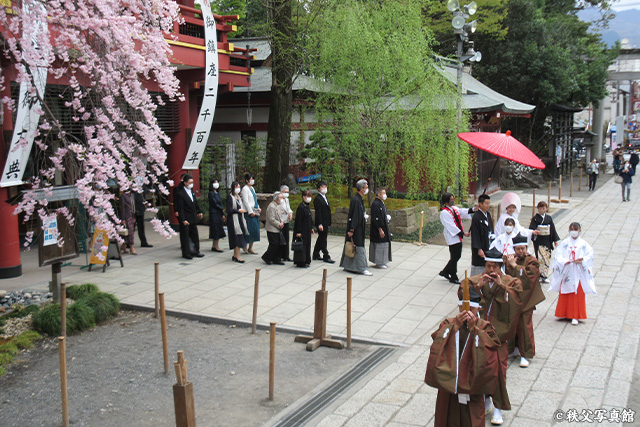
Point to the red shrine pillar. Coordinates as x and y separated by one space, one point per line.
10 265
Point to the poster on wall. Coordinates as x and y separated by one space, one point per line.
205 116
27 116
50 236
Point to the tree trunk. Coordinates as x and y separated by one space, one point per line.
283 68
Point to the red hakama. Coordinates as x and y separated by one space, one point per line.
572 306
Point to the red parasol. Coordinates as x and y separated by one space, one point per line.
502 145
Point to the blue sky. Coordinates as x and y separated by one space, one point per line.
625 4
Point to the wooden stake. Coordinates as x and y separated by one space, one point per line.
163 325
272 358
421 225
63 309
324 279
349 279
157 274
254 320
466 298
549 196
183 400
580 181
571 187
533 208
63 380
560 188
493 216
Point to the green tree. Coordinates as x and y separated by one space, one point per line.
388 106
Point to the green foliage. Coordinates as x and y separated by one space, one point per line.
104 305
391 108
249 155
47 320
26 339
21 312
2 371
80 316
76 292
9 348
5 359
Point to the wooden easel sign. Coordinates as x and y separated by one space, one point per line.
100 249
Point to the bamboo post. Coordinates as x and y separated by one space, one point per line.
255 302
272 358
163 325
324 279
560 189
533 208
183 401
580 181
549 196
571 186
349 280
63 309
63 381
421 225
157 274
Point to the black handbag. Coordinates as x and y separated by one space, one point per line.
297 245
283 241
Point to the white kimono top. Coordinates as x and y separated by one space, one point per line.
567 275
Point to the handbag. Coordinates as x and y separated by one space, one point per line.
192 248
350 249
297 245
283 241
618 179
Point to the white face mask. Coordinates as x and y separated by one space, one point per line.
384 197
285 195
251 182
236 190
323 190
190 186
366 191
508 228
307 199
216 185
574 234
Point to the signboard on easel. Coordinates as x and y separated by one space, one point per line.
99 247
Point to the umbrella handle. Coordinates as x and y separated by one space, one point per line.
489 179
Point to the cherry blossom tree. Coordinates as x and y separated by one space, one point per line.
109 55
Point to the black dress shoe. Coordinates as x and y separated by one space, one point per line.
199 255
445 275
146 246
329 261
454 280
267 262
278 263
241 261
287 259
187 257
302 265
316 258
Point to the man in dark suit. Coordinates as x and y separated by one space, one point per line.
189 212
140 207
323 222
481 229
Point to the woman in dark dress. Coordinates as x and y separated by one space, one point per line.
236 226
216 215
545 241
379 235
303 228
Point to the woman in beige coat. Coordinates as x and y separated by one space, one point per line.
273 226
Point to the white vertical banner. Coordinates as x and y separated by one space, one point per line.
27 116
205 118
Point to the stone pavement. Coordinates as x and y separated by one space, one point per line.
585 367
589 366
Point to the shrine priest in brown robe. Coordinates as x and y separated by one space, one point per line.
501 301
463 366
526 268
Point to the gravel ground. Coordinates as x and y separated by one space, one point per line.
115 375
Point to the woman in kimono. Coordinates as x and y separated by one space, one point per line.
573 275
545 241
379 236
236 226
510 205
504 241
303 228
216 215
355 232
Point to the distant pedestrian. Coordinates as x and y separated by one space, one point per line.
216 216
451 218
481 234
236 225
593 170
573 275
287 216
128 216
634 159
323 222
617 162
273 227
140 205
626 173
379 235
252 212
546 239
189 213
356 232
303 228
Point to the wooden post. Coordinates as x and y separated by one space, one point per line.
580 181
493 216
63 380
549 196
183 401
349 279
324 279
157 274
272 358
163 325
63 309
571 186
560 188
255 302
499 209
533 208
419 242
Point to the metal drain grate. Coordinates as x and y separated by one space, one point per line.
321 400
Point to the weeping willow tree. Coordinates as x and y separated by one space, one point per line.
390 112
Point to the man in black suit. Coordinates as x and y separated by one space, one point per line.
189 212
481 229
140 207
323 222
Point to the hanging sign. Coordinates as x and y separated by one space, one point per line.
205 118
27 116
